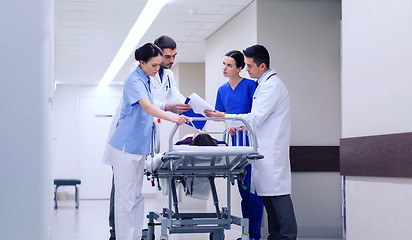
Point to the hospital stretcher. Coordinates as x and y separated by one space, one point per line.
182 163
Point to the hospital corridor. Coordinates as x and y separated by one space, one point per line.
89 222
206 119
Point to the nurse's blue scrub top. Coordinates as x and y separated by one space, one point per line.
134 127
237 101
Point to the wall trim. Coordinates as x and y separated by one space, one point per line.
387 155
314 158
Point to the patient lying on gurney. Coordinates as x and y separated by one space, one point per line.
201 186
198 139
201 139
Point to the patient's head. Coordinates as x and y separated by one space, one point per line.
203 139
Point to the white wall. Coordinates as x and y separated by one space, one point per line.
303 39
26 198
191 78
376 97
378 208
376 81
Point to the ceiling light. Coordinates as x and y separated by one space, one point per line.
143 22
192 12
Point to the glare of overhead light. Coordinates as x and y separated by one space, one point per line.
143 22
192 12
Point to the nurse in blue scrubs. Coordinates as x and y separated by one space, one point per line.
235 97
130 142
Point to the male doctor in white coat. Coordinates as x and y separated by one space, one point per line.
270 119
166 97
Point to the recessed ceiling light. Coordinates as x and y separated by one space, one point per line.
143 22
192 12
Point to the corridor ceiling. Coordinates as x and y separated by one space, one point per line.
88 33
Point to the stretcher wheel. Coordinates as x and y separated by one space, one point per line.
217 235
144 234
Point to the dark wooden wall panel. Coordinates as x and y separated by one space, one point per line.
314 158
381 156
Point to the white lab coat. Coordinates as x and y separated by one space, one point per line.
269 118
164 91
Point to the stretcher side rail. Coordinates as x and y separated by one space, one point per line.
253 143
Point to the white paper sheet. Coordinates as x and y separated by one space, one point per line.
198 104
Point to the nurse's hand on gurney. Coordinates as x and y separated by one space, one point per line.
214 113
181 119
177 107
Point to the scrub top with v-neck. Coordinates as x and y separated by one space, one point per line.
134 127
238 100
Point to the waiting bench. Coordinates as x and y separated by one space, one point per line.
67 182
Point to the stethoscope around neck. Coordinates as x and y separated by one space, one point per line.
168 86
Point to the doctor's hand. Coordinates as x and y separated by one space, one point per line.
232 131
214 113
181 119
177 107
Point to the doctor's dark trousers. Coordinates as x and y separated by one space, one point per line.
111 213
252 206
281 217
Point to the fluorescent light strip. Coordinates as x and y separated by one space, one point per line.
143 22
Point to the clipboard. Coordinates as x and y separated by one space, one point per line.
190 113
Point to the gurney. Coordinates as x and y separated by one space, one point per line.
185 164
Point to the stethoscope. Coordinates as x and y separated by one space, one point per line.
168 87
254 95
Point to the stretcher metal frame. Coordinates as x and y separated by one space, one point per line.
178 163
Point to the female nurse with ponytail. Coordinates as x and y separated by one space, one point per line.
236 97
131 142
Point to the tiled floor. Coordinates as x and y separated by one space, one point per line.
90 222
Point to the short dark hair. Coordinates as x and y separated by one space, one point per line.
203 139
147 51
238 56
165 42
259 54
